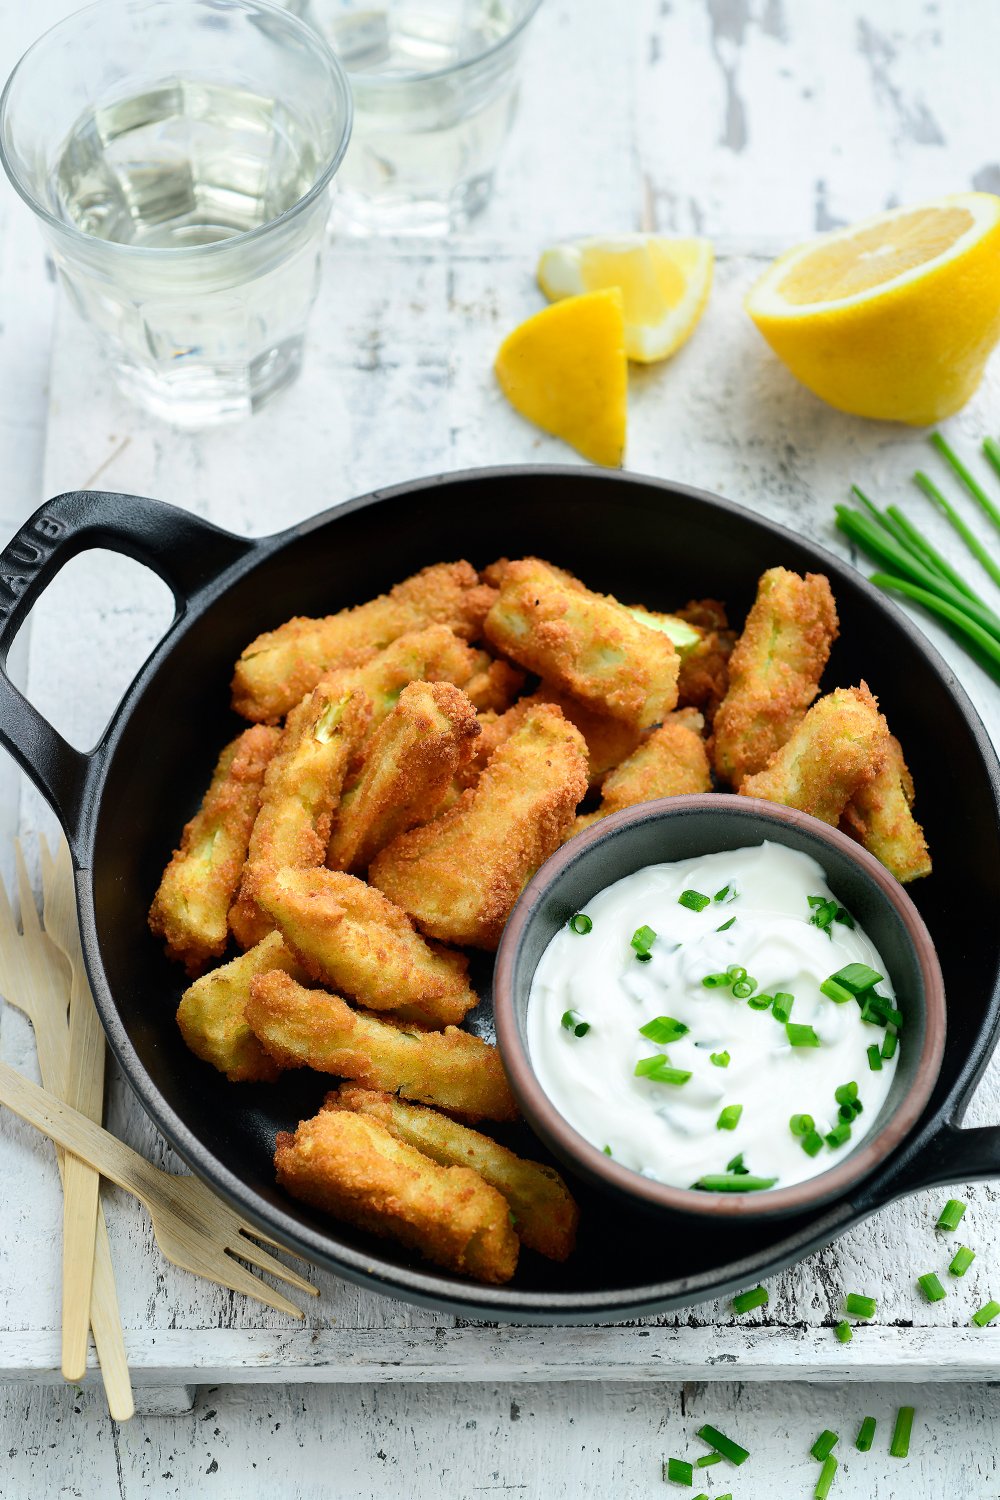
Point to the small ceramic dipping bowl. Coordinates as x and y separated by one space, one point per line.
679 828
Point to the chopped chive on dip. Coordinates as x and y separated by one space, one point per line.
874 1058
581 923
744 988
962 1260
574 1022
801 1124
801 1036
758 1002
658 1070
716 981
781 1010
694 900
900 1445
726 925
663 1029
860 1306
836 991
679 1472
728 893
642 940
720 1059
607 1150
951 1215
889 1046
931 1287
733 1182
730 1117
838 1136
844 1333
857 977
812 1143
824 1444
711 1435
866 1435
736 1165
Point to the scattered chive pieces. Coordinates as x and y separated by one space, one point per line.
825 1479
857 977
721 895
574 1022
747 1301
839 1135
733 1182
720 1059
707 1460
715 981
711 1435
758 1002
951 1215
962 1261
581 923
835 991
744 988
812 1143
801 1124
679 1472
900 1445
693 900
931 1287
607 1150
986 1314
845 1114
736 1165
781 1010
729 1117
844 916
657 1068
846 1094
844 1333
889 1046
735 973
801 1036
663 1029
824 1444
726 925
872 1016
860 1306
866 1435
703 1496
874 1058
643 939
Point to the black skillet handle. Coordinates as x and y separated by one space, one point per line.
188 554
951 1155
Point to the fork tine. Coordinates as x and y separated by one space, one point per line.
254 1233
239 1279
48 865
247 1250
30 923
9 934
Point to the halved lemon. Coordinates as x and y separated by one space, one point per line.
565 370
664 285
893 318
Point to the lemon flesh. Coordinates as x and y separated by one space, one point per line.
664 285
565 370
893 318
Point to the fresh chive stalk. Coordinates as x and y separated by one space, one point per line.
679 1472
957 524
715 1439
825 1479
972 484
931 1287
824 1444
866 1435
860 1306
844 1333
900 1445
986 1314
951 1215
919 544
986 641
962 1260
733 1182
707 1460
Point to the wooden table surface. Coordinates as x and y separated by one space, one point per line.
752 121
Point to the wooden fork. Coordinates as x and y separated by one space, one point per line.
193 1228
34 977
83 1090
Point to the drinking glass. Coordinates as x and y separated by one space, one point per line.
435 86
179 156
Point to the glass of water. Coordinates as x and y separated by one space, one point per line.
435 86
179 156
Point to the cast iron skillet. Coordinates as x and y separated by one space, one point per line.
123 804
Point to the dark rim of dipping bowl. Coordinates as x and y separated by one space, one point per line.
512 985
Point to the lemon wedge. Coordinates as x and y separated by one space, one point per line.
893 318
565 370
664 285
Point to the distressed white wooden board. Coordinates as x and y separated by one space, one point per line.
554 1442
724 415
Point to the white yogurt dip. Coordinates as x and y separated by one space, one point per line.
592 992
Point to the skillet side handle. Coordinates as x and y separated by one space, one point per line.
952 1155
189 554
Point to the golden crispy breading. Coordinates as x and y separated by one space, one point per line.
352 938
879 815
407 769
453 1069
837 749
774 671
586 644
211 1013
608 740
352 1167
190 907
672 762
301 788
459 876
704 676
277 669
545 1214
432 655
494 685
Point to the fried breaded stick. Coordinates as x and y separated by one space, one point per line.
608 740
545 1215
190 907
301 788
838 748
309 1028
494 685
586 644
459 876
281 666
211 1013
352 938
879 814
352 1167
672 762
408 767
704 676
774 671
